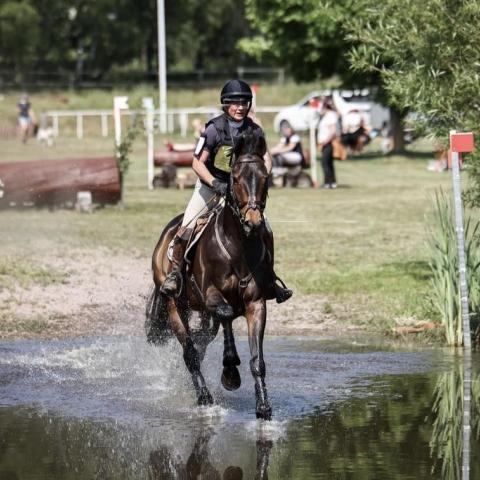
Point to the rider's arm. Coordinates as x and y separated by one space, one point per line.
201 169
268 161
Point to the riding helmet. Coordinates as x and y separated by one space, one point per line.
235 90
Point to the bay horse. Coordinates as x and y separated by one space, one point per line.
229 276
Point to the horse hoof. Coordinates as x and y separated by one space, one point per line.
224 311
205 399
264 412
231 378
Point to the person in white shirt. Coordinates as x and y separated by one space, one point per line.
327 131
288 152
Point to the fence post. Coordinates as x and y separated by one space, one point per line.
104 122
148 105
119 103
55 125
79 126
461 142
183 121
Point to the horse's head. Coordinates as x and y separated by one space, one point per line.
249 182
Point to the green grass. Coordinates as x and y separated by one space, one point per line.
15 271
362 246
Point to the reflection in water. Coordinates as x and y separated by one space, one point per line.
449 433
163 466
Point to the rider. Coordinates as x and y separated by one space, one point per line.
212 164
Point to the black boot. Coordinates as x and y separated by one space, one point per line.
279 292
172 286
282 293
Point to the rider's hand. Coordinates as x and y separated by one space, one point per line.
220 188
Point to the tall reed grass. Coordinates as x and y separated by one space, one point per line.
445 285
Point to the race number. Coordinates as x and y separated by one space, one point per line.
199 146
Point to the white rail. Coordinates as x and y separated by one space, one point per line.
176 117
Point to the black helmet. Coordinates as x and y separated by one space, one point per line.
235 90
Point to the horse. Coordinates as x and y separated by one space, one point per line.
230 275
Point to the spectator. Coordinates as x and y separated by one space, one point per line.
26 117
198 128
288 152
354 132
327 132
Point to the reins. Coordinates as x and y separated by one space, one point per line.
232 200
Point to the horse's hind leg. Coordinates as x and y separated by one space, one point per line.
190 354
231 376
256 314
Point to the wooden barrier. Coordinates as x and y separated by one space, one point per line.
178 159
55 182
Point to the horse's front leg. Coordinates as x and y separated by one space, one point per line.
190 354
230 376
256 314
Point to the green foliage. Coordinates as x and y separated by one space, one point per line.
100 37
428 58
19 33
445 293
306 36
124 149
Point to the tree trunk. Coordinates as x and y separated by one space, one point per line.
54 182
396 121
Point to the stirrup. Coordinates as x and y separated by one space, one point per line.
172 286
282 294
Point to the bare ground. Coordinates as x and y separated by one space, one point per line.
105 293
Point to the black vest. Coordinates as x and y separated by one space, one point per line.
219 162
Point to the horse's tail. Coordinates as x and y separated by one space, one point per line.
157 326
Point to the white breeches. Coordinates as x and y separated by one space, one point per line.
203 200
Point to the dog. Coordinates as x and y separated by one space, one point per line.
45 136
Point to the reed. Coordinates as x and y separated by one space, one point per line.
443 263
446 441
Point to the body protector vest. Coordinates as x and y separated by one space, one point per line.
219 163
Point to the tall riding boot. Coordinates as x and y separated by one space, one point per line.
172 285
280 292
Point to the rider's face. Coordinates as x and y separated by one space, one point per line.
238 110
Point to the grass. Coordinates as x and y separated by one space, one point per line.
14 271
362 246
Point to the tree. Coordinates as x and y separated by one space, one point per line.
428 58
309 37
19 31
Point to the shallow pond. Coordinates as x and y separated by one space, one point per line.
115 408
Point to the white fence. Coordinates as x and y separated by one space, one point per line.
177 118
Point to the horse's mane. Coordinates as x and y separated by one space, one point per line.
250 144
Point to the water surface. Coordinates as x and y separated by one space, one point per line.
115 408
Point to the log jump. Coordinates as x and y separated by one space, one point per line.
57 182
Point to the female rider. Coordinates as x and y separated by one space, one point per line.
212 164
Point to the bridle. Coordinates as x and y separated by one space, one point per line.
252 204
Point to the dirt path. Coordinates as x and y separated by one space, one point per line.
105 293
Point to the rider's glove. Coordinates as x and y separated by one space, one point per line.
220 188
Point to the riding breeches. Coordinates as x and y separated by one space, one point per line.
203 200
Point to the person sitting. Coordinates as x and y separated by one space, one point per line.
354 132
198 129
288 152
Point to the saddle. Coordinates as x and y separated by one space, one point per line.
201 224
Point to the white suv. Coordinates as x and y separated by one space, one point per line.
300 115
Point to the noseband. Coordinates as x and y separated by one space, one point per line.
252 204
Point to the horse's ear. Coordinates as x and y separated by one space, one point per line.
239 146
261 147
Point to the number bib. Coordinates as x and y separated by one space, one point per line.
223 158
